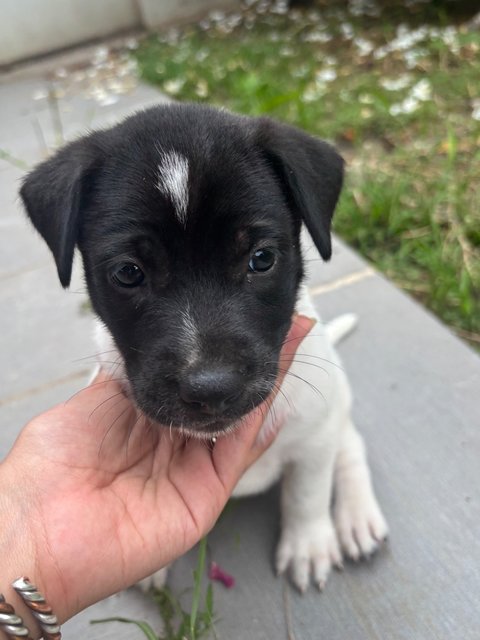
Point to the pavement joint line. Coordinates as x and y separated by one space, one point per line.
344 281
22 395
8 275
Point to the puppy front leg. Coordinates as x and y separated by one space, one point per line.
155 581
308 542
359 521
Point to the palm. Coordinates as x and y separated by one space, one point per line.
111 483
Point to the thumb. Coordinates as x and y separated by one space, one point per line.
234 453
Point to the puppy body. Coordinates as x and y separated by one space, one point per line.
188 220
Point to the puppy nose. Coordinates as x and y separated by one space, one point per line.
210 391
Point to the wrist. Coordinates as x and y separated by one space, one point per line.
19 546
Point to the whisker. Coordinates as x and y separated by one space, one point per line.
95 355
115 395
94 384
279 389
116 366
311 355
307 382
130 431
309 335
136 350
312 364
108 431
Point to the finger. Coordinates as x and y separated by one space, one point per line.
233 453
301 326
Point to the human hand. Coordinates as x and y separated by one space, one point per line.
101 498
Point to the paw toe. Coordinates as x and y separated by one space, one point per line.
300 573
312 551
321 569
155 581
379 527
361 528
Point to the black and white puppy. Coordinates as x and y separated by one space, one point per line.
189 223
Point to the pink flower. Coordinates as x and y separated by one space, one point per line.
216 573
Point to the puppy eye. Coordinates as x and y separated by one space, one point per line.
127 274
261 261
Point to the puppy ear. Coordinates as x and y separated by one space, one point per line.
311 173
53 195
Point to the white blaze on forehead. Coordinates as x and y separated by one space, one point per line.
173 181
189 335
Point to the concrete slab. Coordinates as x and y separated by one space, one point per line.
39 124
17 409
34 254
344 266
46 336
131 604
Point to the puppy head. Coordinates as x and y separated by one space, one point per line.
188 222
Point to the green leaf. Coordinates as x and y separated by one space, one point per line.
197 576
11 159
146 628
209 601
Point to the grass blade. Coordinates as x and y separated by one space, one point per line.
197 575
146 628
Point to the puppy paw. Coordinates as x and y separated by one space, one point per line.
360 526
155 581
309 550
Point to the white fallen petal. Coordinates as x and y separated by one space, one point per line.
396 84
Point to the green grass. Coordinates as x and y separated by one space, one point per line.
179 624
411 200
